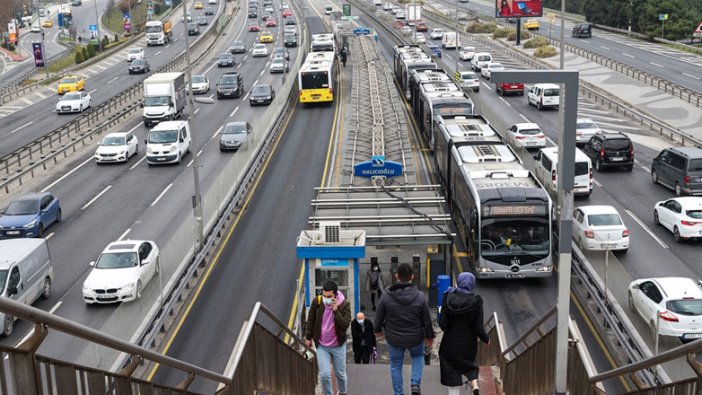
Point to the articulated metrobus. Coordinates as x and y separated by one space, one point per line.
317 78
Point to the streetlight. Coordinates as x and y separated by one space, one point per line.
457 38
97 25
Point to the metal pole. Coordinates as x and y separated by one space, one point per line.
197 198
97 25
519 32
131 20
606 295
457 38
562 40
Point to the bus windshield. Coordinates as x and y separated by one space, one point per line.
514 236
315 80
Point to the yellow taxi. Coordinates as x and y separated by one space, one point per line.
199 5
531 24
266 37
47 23
71 83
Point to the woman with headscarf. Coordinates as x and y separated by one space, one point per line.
462 322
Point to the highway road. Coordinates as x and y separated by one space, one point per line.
676 66
133 201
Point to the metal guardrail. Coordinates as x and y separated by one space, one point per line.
58 144
24 372
19 82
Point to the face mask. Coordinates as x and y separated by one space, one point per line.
360 321
327 301
376 268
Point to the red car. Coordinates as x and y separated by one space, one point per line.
287 13
271 23
422 27
399 23
254 28
509 87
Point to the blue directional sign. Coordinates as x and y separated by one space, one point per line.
361 31
378 166
92 28
60 19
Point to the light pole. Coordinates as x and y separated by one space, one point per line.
197 198
456 57
97 25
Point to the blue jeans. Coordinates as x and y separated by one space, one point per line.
397 354
325 356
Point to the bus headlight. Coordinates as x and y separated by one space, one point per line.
547 268
485 270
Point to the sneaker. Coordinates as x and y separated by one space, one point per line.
415 390
476 391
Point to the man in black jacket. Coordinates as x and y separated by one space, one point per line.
363 339
404 315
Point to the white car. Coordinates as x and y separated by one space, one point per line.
117 147
211 1
73 102
466 53
680 215
290 29
584 129
35 28
201 84
600 228
673 304
527 135
467 79
489 68
135 53
406 30
278 65
437 34
387 7
259 50
419 38
400 15
121 272
395 10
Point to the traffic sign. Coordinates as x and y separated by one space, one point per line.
551 17
92 28
378 167
347 9
127 26
698 31
662 17
361 31
349 17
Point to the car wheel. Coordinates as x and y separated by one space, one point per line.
46 289
654 176
90 103
630 168
656 220
40 233
598 165
138 289
676 235
58 216
678 189
8 325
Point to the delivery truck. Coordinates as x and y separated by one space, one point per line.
158 32
164 97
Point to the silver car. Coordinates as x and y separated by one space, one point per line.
233 136
201 84
278 65
584 129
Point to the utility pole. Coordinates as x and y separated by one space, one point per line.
457 39
97 25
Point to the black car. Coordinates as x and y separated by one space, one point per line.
289 21
262 94
237 47
193 29
609 150
202 20
139 66
77 3
209 11
280 52
253 13
290 40
582 30
230 84
225 60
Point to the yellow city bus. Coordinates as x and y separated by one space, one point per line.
317 78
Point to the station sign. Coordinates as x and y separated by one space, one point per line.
378 167
347 9
361 31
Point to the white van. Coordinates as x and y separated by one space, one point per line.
544 95
480 59
328 9
547 170
25 274
168 142
450 40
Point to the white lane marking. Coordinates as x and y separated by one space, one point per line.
626 54
217 132
196 110
487 86
262 71
646 229
24 99
156 54
656 64
107 188
255 82
161 195
21 127
67 174
200 152
597 183
189 163
135 126
232 114
506 102
50 235
112 80
691 76
603 47
246 95
209 68
124 234
523 117
245 57
137 164
56 306
92 91
239 65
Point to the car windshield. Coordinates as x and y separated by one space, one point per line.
156 101
138 62
696 214
529 132
604 220
197 79
468 76
225 57
69 80
154 29
278 61
113 141
551 92
528 236
695 164
685 306
617 144
238 44
227 80
586 125
192 25
484 57
72 96
260 89
163 136
22 207
134 51
117 260
235 128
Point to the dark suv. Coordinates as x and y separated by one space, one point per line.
610 149
230 85
582 30
290 40
679 168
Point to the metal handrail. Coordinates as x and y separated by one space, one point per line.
40 317
534 328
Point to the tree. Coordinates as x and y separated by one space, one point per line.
116 37
85 53
614 13
682 18
79 57
91 50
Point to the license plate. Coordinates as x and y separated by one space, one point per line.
161 159
532 142
617 159
692 335
104 296
316 97
518 275
13 232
